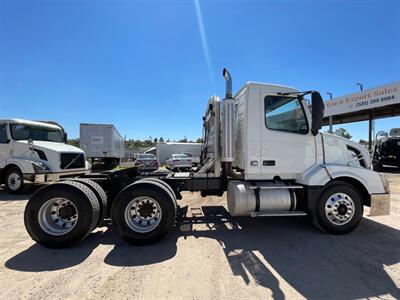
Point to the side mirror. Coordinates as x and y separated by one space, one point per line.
317 113
381 134
65 137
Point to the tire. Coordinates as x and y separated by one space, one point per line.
137 229
80 215
163 183
101 197
338 209
14 182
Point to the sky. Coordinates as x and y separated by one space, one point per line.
149 67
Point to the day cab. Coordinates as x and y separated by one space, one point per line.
36 152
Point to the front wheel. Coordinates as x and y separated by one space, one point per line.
14 182
339 208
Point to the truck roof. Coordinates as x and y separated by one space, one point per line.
30 122
277 87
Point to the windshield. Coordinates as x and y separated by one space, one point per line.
36 133
147 156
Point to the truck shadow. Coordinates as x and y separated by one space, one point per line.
4 196
38 258
315 264
266 251
269 250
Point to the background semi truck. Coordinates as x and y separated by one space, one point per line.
102 141
262 146
36 152
386 149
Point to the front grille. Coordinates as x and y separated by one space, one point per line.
77 158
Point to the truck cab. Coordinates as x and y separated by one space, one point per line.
36 152
266 141
386 149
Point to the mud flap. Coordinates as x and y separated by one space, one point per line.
380 205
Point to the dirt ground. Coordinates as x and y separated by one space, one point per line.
213 257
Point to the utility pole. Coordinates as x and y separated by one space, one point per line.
330 118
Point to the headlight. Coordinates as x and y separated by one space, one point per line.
385 183
40 167
88 165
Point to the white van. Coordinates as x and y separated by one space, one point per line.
36 152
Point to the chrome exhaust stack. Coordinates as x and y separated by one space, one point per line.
228 124
228 84
228 121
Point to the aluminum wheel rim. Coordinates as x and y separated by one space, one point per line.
58 216
143 214
14 181
339 209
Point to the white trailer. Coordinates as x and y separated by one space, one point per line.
102 141
262 146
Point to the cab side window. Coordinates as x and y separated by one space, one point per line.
3 134
285 114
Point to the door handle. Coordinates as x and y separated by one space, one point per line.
268 163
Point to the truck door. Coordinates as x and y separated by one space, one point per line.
287 144
5 145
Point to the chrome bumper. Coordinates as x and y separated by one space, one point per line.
380 204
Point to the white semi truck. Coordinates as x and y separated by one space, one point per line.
262 146
36 152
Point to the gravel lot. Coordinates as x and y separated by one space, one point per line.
211 256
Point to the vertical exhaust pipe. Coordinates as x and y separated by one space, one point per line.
228 126
228 121
228 84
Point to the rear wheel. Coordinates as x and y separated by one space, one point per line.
100 194
166 185
339 208
14 182
61 214
144 212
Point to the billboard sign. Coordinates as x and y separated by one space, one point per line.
384 95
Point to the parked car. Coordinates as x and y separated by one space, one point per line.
195 159
147 162
180 162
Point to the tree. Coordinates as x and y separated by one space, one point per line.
161 140
184 140
343 133
73 142
199 140
155 140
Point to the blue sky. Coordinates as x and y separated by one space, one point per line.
150 66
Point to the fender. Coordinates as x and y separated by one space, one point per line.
320 175
23 164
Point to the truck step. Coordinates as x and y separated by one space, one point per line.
275 187
278 214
